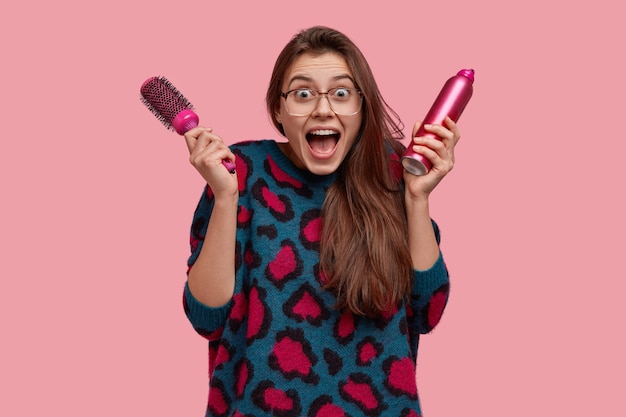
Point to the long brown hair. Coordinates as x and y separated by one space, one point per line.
364 253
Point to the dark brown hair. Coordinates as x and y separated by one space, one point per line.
364 253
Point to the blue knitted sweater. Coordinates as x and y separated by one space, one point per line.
279 348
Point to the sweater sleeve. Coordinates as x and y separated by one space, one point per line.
207 321
430 293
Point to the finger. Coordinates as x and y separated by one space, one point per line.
211 159
416 127
193 135
429 153
191 138
452 126
431 142
207 139
443 133
440 147
446 137
210 151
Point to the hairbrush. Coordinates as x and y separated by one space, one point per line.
451 101
172 108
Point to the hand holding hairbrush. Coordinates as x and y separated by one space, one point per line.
172 108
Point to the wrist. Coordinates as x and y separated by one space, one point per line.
416 202
226 200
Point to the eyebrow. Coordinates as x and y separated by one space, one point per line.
309 79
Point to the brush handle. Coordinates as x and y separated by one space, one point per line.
187 120
450 102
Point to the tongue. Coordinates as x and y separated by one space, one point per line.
322 144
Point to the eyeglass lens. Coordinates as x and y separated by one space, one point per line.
343 101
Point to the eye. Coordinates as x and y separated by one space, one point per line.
303 94
341 93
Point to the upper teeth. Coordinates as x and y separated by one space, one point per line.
323 132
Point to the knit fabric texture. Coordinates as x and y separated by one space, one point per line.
278 347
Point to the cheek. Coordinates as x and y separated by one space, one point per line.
289 131
353 130
292 129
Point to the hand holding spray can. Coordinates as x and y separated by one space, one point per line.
451 102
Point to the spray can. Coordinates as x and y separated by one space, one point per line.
451 101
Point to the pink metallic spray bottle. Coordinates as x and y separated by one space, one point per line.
451 102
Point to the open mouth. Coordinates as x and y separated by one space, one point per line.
322 141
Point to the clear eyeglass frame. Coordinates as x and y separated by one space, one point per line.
317 95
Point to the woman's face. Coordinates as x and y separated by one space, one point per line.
320 141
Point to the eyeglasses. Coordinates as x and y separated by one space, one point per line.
303 101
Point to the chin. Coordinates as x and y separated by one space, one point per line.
322 168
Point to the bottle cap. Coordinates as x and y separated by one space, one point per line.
468 73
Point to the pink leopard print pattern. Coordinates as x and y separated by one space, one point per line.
279 348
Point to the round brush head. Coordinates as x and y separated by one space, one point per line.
168 104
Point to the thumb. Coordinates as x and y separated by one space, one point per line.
416 127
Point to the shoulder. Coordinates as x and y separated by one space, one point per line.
254 147
254 154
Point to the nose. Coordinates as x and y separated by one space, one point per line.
322 107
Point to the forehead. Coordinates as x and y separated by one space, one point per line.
318 68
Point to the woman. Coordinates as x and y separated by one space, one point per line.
315 266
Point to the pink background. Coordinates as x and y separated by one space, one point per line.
97 196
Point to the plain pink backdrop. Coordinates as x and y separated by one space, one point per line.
97 196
